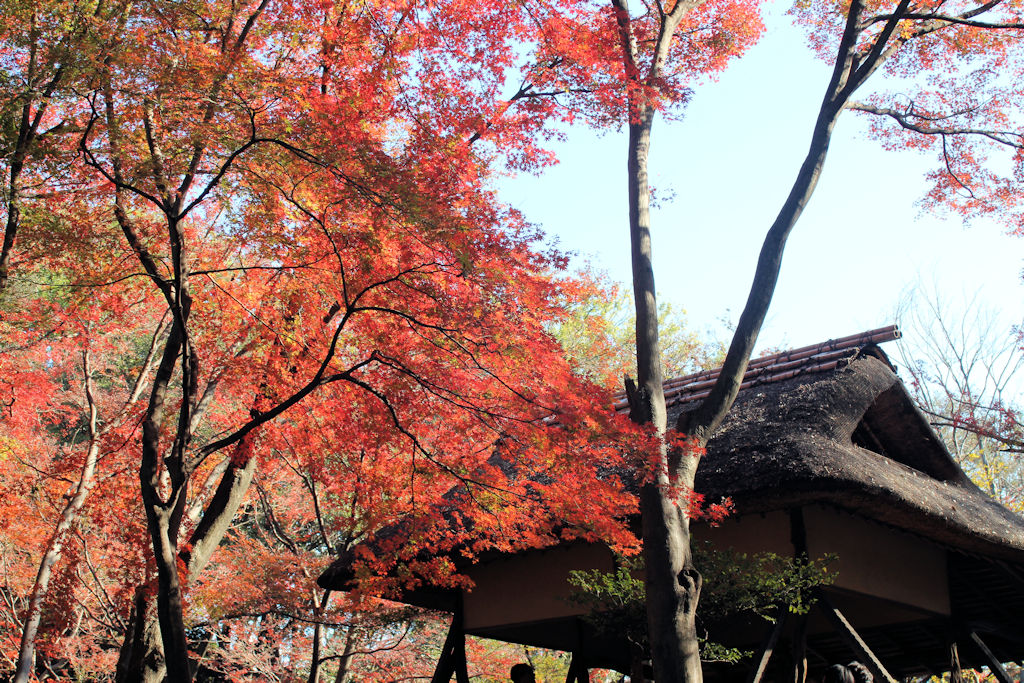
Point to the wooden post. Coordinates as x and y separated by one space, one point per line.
453 653
798 537
956 672
461 665
994 665
854 640
768 646
799 649
578 672
443 670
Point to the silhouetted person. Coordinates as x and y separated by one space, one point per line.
523 673
854 672
860 673
837 673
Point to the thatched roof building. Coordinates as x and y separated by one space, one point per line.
824 451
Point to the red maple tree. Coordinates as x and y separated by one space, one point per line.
275 243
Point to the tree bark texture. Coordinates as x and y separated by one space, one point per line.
346 656
672 582
141 659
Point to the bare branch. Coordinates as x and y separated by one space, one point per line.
924 125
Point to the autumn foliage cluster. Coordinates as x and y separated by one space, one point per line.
258 301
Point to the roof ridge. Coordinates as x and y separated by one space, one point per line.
773 367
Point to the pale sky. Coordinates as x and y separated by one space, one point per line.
730 162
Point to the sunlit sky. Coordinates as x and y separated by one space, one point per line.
729 163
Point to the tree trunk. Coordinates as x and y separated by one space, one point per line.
318 629
170 601
13 222
671 581
162 515
141 659
346 656
26 651
142 654
28 133
86 480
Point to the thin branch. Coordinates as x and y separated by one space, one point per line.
908 121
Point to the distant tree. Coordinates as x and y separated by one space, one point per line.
599 338
965 365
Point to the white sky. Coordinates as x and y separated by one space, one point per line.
730 162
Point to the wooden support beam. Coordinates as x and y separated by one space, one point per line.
461 665
578 672
798 537
768 646
453 654
798 532
853 639
445 665
799 650
994 665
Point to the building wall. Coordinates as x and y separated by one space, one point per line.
873 560
883 574
529 587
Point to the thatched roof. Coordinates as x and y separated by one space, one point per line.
850 436
832 424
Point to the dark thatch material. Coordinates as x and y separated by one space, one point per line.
852 438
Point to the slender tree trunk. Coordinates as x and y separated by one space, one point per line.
13 222
318 630
69 515
71 510
346 656
26 651
26 133
672 582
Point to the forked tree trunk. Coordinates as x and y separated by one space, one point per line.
672 582
142 653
